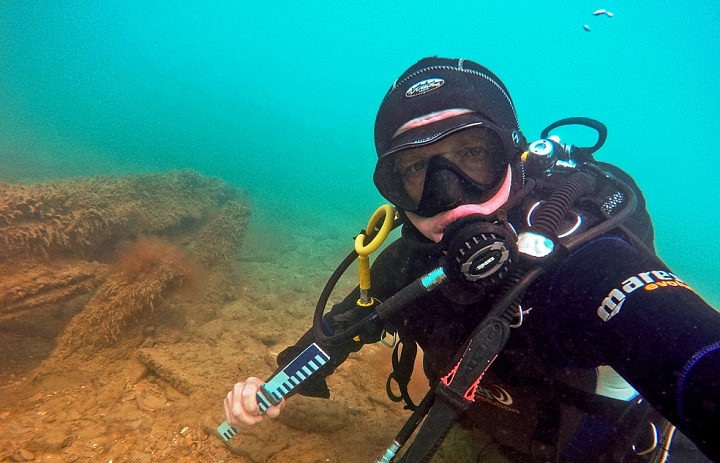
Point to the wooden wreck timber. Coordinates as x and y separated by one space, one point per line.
126 242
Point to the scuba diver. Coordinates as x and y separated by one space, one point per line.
526 273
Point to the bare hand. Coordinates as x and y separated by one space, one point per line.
241 405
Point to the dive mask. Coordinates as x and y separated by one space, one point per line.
415 179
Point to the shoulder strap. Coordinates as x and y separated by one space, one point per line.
626 419
403 363
544 440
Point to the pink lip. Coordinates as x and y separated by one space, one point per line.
460 212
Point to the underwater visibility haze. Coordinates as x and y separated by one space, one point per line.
278 99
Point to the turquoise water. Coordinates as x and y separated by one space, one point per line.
280 97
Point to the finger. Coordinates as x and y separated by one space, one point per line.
257 382
236 413
274 411
229 401
227 408
249 398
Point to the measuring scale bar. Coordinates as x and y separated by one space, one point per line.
278 386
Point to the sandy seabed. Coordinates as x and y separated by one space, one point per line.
155 394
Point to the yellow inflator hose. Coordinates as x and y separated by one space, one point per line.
386 212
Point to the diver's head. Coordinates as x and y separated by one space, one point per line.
447 136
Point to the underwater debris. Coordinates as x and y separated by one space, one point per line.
218 242
34 293
125 243
605 12
85 215
149 271
164 367
586 27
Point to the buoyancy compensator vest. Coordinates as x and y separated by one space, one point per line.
534 410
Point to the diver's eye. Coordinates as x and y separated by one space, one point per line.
418 166
415 172
475 152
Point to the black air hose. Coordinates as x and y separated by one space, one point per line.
553 211
616 220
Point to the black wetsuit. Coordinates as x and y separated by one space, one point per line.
607 303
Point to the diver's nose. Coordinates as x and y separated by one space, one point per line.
443 189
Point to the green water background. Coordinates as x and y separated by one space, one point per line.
279 97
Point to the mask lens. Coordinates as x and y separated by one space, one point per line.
476 152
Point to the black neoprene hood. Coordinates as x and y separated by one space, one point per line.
434 85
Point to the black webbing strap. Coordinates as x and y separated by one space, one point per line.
626 417
456 391
403 362
544 441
